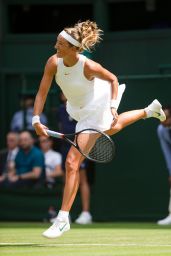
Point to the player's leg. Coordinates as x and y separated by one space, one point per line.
130 117
61 224
73 162
74 159
72 165
126 119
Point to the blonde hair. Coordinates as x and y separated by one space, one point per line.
86 33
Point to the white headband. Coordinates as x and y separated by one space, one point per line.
70 39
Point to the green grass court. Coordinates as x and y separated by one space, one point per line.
99 239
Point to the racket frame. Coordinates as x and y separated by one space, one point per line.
65 137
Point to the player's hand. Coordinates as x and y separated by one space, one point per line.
41 129
115 117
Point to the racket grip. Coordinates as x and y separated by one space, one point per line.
54 134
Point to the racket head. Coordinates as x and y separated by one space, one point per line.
101 148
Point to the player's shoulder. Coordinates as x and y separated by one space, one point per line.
52 60
51 64
91 65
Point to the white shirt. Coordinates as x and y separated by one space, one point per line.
12 154
52 159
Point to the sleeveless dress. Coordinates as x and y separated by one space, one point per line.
88 102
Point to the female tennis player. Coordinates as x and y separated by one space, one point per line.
92 100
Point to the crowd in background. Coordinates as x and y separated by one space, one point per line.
29 161
32 162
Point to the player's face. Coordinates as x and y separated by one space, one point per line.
62 46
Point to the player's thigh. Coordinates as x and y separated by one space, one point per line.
86 141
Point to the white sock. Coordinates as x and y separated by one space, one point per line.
63 215
148 112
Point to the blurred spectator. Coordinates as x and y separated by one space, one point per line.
164 135
53 161
22 119
85 217
51 214
67 125
7 156
29 163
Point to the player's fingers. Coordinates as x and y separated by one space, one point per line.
114 122
41 130
45 127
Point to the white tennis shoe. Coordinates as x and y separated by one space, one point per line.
84 218
155 110
165 221
57 229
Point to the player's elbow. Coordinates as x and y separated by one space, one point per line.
115 80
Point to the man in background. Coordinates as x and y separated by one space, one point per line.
29 163
22 119
7 155
164 135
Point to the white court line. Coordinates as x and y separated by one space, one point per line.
74 244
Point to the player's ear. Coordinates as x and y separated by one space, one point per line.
74 49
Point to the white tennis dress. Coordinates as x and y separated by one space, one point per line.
88 102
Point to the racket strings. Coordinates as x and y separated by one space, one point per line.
103 150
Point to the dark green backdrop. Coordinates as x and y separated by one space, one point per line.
134 185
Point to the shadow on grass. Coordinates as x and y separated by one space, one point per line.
99 225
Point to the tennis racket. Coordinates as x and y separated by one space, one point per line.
100 147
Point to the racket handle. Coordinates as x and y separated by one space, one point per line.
54 134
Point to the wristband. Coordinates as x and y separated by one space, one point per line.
114 104
35 119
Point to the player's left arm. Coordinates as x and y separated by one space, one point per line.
93 69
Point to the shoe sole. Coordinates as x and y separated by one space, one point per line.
52 237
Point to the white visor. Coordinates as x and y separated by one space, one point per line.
70 39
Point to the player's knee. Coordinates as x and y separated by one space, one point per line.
71 164
115 129
118 127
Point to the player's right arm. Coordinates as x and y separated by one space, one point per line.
45 84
